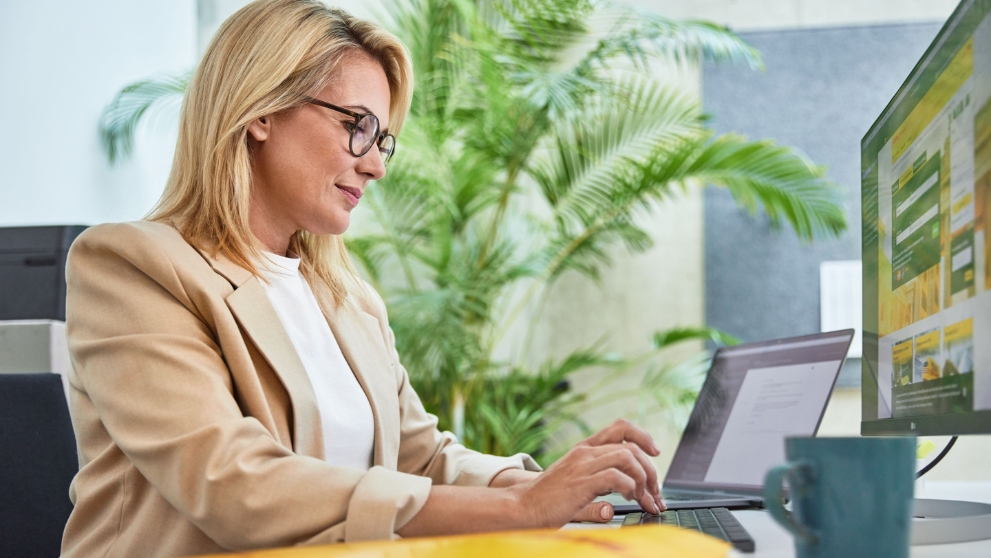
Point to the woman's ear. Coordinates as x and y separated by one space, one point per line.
259 128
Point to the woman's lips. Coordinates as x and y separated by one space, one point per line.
352 194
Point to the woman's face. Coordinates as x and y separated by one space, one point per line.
303 173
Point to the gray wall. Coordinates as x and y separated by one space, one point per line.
822 90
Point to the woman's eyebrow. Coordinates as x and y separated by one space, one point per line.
356 108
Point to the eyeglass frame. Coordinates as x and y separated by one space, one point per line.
354 126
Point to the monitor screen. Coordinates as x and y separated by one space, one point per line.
926 184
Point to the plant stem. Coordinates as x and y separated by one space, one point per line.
599 223
534 321
500 213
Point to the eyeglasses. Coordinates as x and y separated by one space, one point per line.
365 132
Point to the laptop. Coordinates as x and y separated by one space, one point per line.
754 396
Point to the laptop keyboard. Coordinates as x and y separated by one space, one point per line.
718 522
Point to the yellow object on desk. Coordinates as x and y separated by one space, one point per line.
631 542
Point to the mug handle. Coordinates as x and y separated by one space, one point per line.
800 475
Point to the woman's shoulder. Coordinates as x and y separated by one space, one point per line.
120 237
155 248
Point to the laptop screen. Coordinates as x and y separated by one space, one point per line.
755 396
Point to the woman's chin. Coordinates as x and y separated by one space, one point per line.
335 225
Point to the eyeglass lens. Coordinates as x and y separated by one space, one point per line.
366 134
366 131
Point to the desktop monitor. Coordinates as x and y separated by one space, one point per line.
926 193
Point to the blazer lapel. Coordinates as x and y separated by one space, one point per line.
250 305
359 336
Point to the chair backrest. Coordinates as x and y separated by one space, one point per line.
37 463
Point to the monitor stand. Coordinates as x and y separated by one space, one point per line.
950 521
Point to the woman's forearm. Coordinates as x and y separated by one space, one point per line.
512 477
467 509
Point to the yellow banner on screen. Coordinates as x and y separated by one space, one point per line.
945 87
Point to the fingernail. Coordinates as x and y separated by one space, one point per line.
604 513
657 450
660 504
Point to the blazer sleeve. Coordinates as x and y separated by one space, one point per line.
145 354
423 449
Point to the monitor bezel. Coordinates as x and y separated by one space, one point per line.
975 422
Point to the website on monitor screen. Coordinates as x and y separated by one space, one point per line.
934 257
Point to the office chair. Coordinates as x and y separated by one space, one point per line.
37 463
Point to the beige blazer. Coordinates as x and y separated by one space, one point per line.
197 426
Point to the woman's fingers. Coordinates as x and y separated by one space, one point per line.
649 503
622 431
623 459
639 470
632 460
653 489
615 480
597 512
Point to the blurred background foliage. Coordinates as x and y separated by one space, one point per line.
538 138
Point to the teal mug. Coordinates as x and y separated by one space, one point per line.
850 496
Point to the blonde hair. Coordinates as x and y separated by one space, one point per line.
264 59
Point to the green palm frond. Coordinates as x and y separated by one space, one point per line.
759 174
640 35
667 338
587 254
120 118
779 179
577 176
559 93
431 334
536 32
590 176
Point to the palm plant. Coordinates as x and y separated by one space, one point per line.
537 139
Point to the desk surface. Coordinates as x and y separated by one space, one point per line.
772 541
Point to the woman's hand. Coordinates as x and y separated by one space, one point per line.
612 460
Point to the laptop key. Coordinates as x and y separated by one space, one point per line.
632 519
717 522
735 532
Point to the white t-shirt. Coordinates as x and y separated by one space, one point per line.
345 414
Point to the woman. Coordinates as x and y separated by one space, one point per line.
234 385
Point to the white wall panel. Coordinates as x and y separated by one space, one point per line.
60 63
